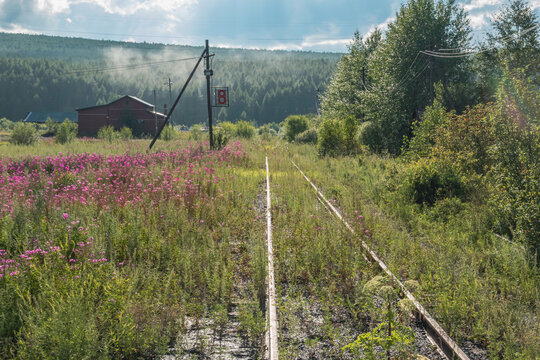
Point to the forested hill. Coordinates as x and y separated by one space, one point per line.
48 73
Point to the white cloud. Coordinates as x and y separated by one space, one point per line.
53 6
479 20
17 29
382 26
324 42
309 43
535 4
123 7
282 46
480 4
330 37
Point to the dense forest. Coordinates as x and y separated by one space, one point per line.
387 79
45 73
464 119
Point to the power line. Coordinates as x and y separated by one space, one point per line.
408 70
463 53
419 73
469 52
129 66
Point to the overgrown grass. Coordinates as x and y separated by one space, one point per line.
138 248
115 255
478 286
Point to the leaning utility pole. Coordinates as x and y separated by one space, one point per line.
208 72
168 115
223 98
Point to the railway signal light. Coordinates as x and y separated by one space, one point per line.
221 97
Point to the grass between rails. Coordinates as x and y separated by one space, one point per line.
477 286
324 300
115 256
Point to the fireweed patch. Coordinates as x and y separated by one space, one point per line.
131 247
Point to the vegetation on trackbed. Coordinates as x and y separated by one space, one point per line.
112 254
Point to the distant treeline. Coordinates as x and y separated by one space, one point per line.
45 73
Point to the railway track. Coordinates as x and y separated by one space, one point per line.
434 331
438 337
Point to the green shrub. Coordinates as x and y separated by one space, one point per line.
196 132
370 136
65 331
66 132
350 129
228 129
294 125
465 140
429 181
266 132
220 138
307 137
107 133
514 178
24 134
330 141
244 129
168 133
424 131
51 126
125 133
252 324
6 125
446 209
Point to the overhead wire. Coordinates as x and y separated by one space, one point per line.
469 52
130 66
450 55
408 70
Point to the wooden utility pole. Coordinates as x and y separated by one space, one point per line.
170 94
168 114
170 91
155 112
208 72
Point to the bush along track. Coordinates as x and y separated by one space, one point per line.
482 290
434 331
332 303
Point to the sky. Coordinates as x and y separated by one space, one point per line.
312 25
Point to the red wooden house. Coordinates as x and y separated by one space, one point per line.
128 110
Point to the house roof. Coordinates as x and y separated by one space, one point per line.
123 97
41 116
158 113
